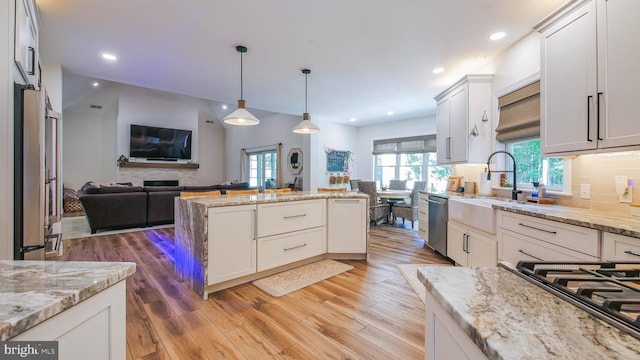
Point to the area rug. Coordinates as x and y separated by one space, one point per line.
300 277
410 273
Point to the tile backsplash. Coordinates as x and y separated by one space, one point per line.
597 170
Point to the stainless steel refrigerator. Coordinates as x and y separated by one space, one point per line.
30 224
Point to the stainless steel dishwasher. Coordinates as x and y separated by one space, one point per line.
438 217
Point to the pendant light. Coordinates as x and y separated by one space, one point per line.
241 116
306 126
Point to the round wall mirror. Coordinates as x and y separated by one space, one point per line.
294 161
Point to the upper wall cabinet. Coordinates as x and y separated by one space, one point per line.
26 44
589 77
463 128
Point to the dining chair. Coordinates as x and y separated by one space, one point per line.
397 184
276 191
340 189
354 184
243 192
409 211
191 194
378 212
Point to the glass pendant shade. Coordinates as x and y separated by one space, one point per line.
306 126
241 116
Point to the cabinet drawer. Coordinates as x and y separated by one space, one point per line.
284 249
515 247
290 216
620 248
572 237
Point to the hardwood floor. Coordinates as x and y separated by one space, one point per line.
369 312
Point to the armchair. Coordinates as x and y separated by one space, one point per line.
377 212
409 211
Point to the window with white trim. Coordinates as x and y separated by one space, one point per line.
555 173
263 172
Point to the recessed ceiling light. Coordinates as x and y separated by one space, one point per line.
224 107
109 57
95 84
352 119
389 113
497 36
438 70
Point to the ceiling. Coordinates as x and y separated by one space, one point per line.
367 57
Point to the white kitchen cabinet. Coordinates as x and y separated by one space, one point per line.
461 109
347 226
620 248
26 43
523 237
286 248
589 78
232 242
470 247
444 338
423 216
93 329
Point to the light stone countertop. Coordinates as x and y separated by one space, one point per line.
509 318
272 198
34 291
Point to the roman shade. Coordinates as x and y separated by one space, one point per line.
519 114
406 145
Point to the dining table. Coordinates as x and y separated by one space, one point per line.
394 196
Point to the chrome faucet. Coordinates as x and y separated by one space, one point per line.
514 192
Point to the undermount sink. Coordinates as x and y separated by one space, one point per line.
476 212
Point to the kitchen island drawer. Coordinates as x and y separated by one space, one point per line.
290 216
578 238
283 249
515 247
620 248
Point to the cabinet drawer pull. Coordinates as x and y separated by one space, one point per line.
589 117
526 253
347 200
295 247
294 216
632 253
535 228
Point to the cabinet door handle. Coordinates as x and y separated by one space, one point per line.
465 243
449 148
526 253
31 67
598 117
535 228
294 216
255 225
631 253
295 247
589 117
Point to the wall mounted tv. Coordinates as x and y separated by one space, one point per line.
158 143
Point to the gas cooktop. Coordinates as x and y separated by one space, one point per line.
609 291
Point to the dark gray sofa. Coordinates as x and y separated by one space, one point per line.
125 206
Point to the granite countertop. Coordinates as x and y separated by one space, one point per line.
34 291
273 198
618 224
509 318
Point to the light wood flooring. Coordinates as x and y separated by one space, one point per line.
369 312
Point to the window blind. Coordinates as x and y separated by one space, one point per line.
519 114
406 145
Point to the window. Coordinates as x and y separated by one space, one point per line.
555 173
411 167
263 169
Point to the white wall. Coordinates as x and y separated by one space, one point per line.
272 130
93 139
6 128
402 128
52 81
331 136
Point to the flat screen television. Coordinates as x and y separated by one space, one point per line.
159 143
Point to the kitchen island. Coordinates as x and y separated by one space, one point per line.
492 313
223 242
79 304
